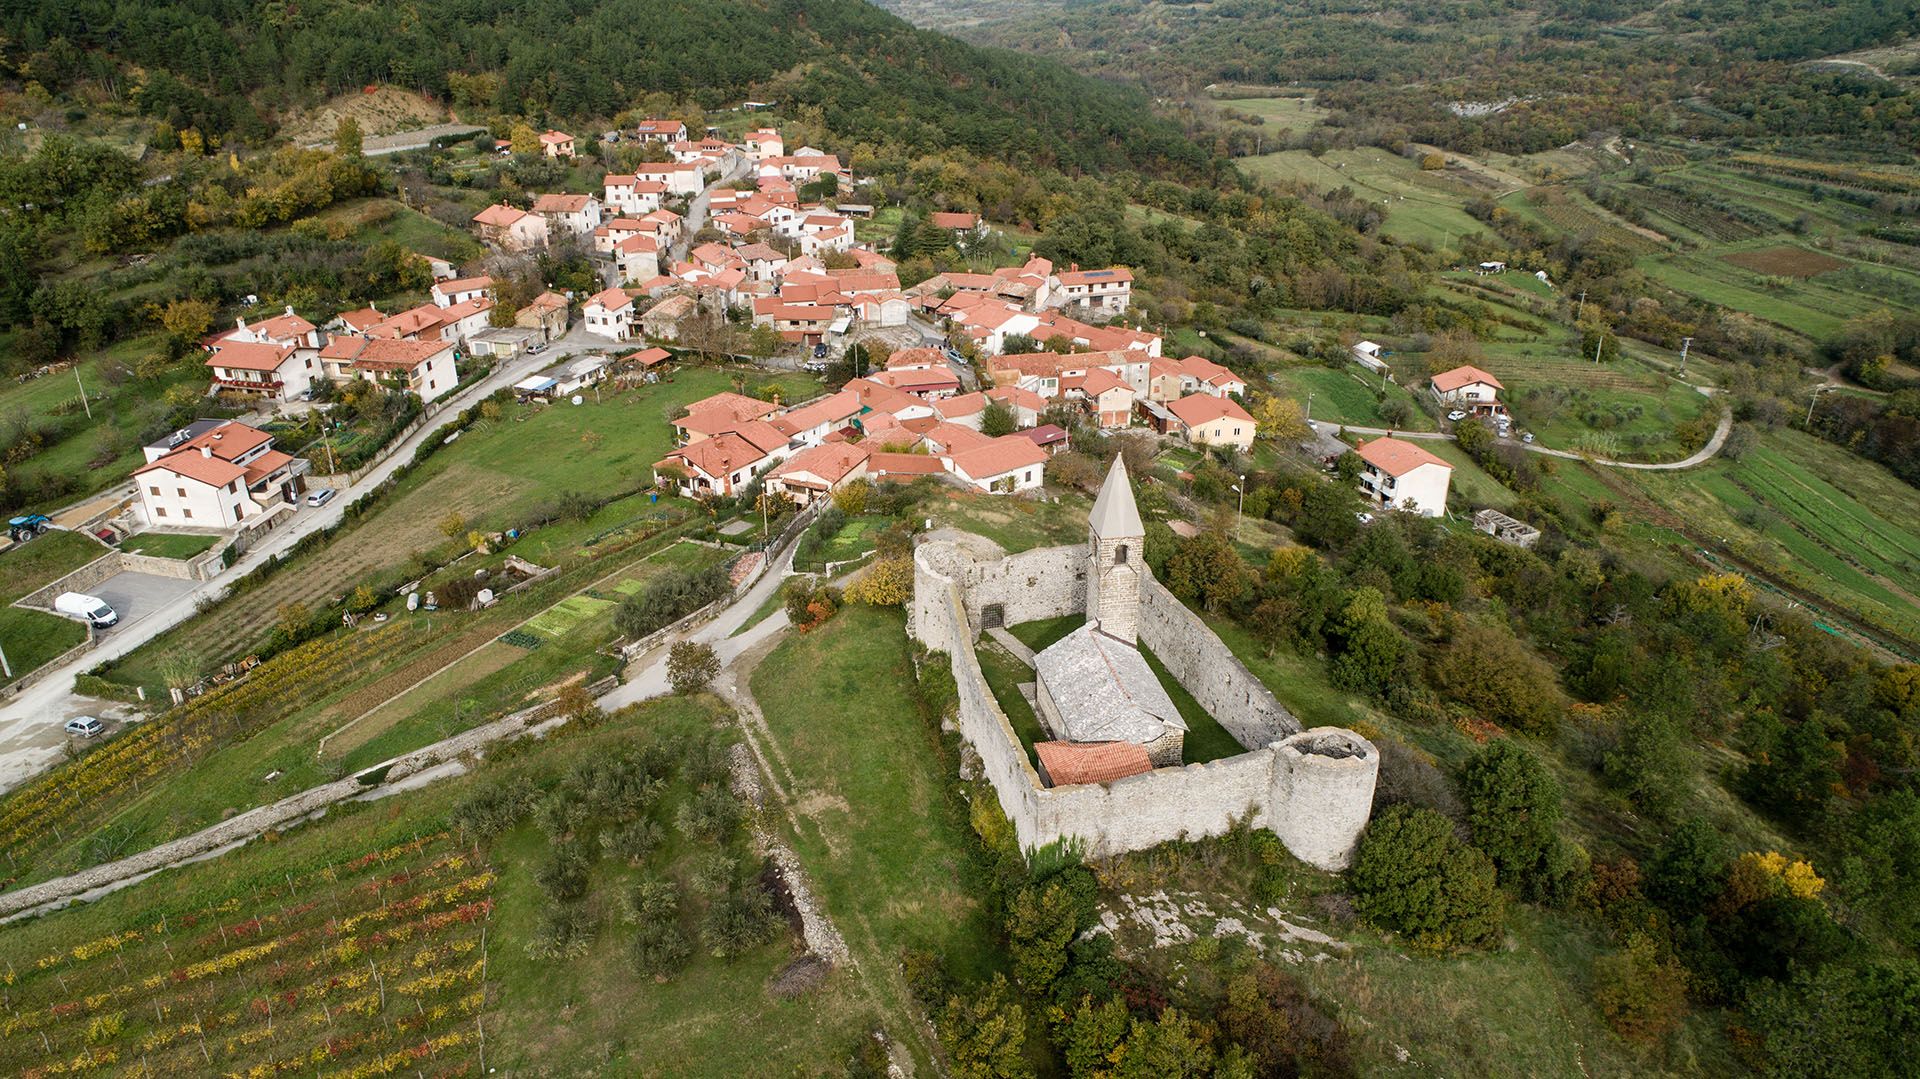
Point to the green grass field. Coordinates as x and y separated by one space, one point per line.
1347 396
1829 523
31 638
168 544
1297 113
877 821
1424 207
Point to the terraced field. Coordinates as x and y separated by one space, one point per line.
1831 525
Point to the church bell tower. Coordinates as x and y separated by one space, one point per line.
1115 542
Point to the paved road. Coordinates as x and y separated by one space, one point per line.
696 215
647 676
1700 456
30 736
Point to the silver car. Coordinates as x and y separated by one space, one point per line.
84 726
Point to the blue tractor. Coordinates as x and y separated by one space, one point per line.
25 528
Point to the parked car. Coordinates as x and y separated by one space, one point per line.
1456 415
819 351
1364 518
84 726
817 366
321 497
91 609
536 348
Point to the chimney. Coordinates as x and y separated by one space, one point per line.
241 322
206 451
289 309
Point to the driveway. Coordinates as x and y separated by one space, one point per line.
30 721
135 596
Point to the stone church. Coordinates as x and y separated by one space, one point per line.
1093 685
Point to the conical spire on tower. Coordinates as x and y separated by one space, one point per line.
1114 514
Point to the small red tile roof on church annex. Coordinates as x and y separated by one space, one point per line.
1067 763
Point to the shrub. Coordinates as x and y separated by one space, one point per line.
633 841
670 596
563 875
659 949
1513 808
651 900
492 810
886 583
738 920
711 816
691 665
1412 876
1641 992
565 931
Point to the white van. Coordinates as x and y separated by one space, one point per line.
91 609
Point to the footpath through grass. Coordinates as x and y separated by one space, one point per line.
881 827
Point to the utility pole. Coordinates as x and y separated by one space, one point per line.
83 392
1811 401
1582 312
1309 416
1685 343
5 666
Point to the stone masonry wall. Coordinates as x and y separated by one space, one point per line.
1042 583
1334 792
1202 663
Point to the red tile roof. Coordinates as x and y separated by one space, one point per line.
999 457
1397 457
953 221
1069 763
1196 409
1449 381
248 356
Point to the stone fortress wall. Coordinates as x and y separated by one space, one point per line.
1313 788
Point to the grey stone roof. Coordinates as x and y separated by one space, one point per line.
1114 513
1104 690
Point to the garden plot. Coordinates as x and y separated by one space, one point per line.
561 618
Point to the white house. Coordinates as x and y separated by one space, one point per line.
1400 475
1002 465
660 131
819 471
288 329
763 144
276 372
610 314
1101 293
460 290
680 178
422 366
1367 355
215 474
1208 420
1467 388
556 144
509 228
630 195
569 215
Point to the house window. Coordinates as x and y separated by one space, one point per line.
160 511
181 491
153 490
1120 555
186 513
